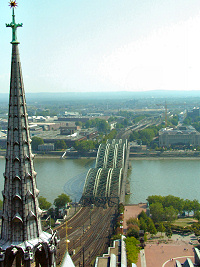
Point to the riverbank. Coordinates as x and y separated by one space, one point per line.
165 154
48 156
59 154
164 158
146 155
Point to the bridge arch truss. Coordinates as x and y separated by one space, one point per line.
103 183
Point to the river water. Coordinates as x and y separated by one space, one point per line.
179 177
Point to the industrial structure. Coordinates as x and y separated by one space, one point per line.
104 183
22 239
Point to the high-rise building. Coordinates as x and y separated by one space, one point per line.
22 239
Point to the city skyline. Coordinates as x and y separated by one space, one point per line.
104 46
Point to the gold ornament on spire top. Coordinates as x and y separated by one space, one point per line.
12 3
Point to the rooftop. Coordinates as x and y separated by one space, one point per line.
179 130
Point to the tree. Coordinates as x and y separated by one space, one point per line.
60 144
195 205
154 199
103 126
1 204
133 230
161 228
43 203
121 208
133 221
146 136
151 227
187 206
170 214
78 123
61 201
143 225
132 249
143 215
157 212
36 141
111 135
176 202
133 136
84 146
197 215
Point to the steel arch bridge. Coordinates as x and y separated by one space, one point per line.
103 184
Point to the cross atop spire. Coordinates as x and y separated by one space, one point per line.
14 25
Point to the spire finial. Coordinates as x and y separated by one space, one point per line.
13 25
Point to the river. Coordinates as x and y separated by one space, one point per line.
179 177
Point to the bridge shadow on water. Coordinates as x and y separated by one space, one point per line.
74 187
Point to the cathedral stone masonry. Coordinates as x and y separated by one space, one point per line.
22 239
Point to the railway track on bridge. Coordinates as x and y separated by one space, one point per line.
89 230
89 234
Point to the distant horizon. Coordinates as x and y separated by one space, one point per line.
115 92
99 96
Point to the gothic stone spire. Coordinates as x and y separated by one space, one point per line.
21 211
21 223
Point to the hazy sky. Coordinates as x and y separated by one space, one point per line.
104 45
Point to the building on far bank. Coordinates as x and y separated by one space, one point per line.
46 147
182 135
69 129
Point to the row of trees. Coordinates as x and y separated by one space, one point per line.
131 116
143 222
81 146
146 136
101 125
36 141
59 202
167 208
85 145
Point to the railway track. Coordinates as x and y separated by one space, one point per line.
89 232
80 216
96 240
